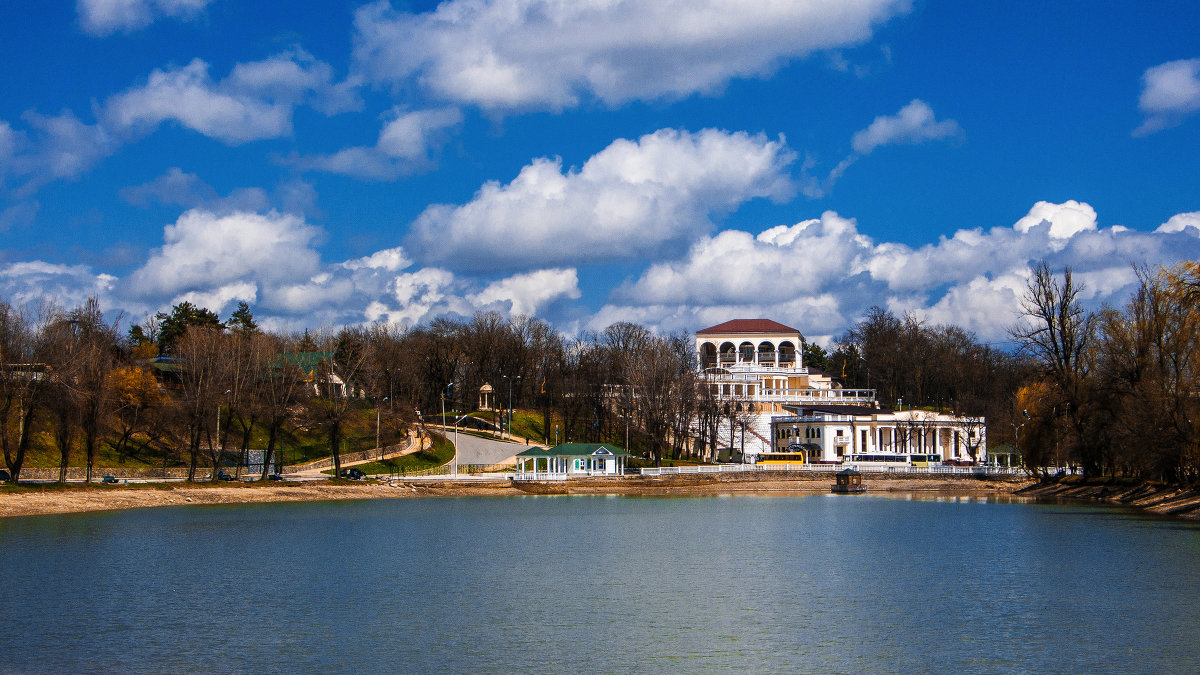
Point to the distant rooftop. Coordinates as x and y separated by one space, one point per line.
758 326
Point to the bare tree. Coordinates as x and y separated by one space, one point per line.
202 359
57 349
1060 334
336 380
249 359
973 435
281 388
22 383
96 349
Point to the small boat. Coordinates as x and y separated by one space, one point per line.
849 481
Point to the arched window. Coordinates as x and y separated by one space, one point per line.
787 353
708 355
766 353
746 352
728 353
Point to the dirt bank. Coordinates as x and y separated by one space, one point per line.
1161 499
765 483
38 500
33 500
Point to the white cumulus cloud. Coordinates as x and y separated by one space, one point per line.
823 274
1170 94
30 282
204 251
820 274
189 96
405 145
550 54
527 293
913 124
1180 222
103 17
254 102
1063 220
633 199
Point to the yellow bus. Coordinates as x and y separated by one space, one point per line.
777 458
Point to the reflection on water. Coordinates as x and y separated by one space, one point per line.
892 582
966 497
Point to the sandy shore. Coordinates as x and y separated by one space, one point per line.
35 500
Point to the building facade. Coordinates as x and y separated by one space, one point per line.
754 369
571 460
855 434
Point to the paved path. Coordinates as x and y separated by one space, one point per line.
319 473
471 450
475 450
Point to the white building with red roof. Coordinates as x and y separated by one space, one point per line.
770 403
754 367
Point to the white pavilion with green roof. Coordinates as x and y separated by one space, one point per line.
571 460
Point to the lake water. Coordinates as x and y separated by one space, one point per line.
818 583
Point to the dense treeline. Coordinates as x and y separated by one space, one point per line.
188 388
1110 392
943 368
1116 390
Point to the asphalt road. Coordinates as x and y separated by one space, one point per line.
474 450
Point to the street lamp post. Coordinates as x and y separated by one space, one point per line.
220 445
454 458
378 447
1017 440
510 410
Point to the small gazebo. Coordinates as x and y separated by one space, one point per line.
487 397
571 460
848 481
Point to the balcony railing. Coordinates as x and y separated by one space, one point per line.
818 395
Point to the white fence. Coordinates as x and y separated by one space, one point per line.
497 471
863 467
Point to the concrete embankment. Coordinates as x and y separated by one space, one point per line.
766 482
34 500
1161 499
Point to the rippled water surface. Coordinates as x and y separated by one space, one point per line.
820 583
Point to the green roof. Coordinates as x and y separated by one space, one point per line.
575 450
306 361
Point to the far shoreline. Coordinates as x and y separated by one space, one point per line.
53 499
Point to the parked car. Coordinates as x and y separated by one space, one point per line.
274 476
353 473
110 480
4 476
223 475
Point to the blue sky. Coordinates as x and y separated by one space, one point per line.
676 164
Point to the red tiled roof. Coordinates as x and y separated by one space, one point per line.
748 326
